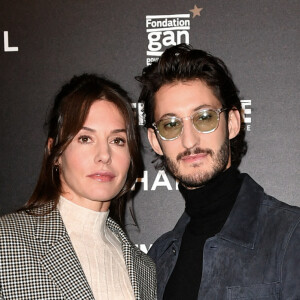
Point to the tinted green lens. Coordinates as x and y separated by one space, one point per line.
169 128
205 121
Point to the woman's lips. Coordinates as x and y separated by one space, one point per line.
194 157
102 176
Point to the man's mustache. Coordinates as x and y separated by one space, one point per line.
194 151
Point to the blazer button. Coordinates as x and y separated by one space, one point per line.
174 250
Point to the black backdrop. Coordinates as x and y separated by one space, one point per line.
46 42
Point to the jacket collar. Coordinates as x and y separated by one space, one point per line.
130 253
179 228
58 256
117 230
141 269
49 224
242 224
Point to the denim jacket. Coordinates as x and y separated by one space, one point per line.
256 255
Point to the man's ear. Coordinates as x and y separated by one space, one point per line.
154 141
234 123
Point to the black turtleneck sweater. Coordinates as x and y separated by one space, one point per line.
209 207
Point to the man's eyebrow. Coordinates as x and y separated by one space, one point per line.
167 115
195 109
203 106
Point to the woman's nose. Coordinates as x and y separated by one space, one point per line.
103 154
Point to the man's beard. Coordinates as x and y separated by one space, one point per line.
219 159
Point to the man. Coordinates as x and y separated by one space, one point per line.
233 241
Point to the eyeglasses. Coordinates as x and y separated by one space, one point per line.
204 120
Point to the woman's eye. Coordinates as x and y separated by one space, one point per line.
84 139
119 141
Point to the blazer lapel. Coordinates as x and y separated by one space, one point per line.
59 258
128 255
141 269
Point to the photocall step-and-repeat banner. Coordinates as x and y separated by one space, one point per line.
45 43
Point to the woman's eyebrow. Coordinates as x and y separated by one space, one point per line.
113 131
118 130
88 129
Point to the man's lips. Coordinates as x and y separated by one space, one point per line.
102 176
194 157
196 154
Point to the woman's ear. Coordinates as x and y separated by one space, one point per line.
234 123
154 141
49 144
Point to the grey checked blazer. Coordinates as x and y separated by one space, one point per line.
37 260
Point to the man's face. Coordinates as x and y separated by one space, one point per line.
194 157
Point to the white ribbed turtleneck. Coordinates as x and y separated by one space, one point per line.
98 251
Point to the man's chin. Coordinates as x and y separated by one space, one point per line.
193 180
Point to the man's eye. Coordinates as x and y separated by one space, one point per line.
171 124
205 117
84 139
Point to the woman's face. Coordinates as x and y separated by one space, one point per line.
94 166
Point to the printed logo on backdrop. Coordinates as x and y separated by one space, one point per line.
161 180
7 47
246 109
143 247
164 31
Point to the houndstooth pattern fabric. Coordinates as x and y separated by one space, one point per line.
37 260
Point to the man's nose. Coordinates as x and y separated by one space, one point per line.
190 137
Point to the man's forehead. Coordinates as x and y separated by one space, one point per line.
182 97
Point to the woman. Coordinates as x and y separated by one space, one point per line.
63 244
